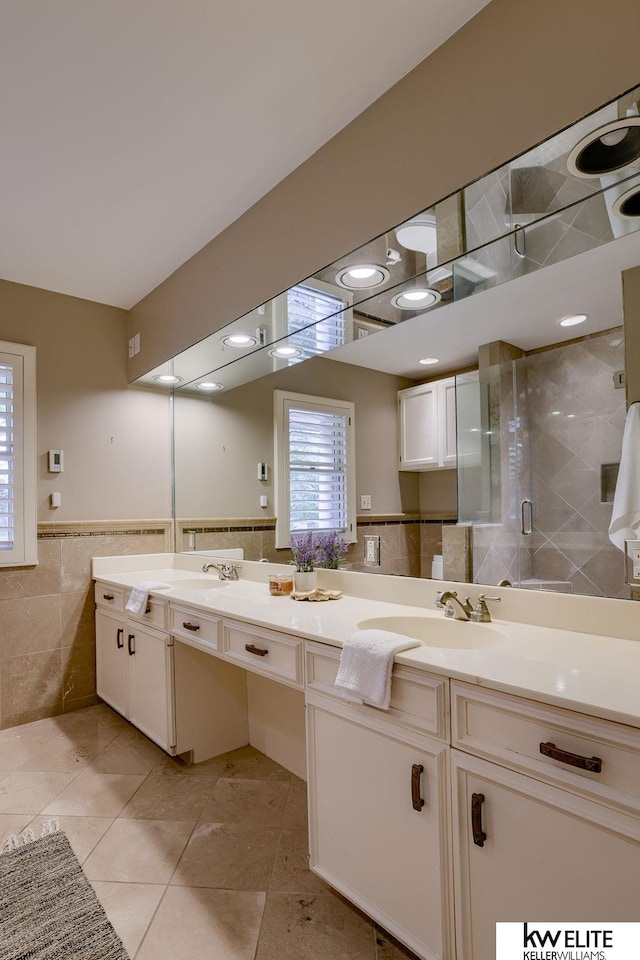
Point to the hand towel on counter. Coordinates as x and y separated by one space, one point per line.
139 596
625 518
366 662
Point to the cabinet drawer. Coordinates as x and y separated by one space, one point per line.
419 700
596 758
108 596
276 655
155 614
201 630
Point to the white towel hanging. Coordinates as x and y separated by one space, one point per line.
366 663
625 518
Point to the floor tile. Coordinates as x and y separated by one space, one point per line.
247 801
176 766
291 867
58 754
98 723
170 798
83 832
28 792
139 851
95 795
388 948
204 925
127 754
307 927
235 856
295 813
249 763
130 908
13 823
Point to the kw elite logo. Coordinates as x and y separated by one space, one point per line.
567 941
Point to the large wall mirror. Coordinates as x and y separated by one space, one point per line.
511 290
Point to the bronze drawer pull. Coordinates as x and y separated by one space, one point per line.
416 800
108 596
594 764
258 651
120 638
191 626
130 646
479 836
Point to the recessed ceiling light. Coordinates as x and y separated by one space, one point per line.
573 320
362 276
571 416
208 386
417 299
611 147
285 353
167 379
239 340
427 361
555 413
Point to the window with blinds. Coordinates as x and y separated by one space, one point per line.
314 466
317 320
17 455
7 456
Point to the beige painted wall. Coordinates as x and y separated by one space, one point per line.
115 437
512 76
631 299
220 442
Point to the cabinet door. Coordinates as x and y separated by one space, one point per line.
366 838
548 856
149 656
111 660
418 427
447 422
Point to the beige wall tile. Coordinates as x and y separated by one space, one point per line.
30 625
38 581
78 617
78 671
31 683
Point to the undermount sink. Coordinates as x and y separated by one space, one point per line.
212 583
438 632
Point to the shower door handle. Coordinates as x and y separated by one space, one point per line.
526 517
520 247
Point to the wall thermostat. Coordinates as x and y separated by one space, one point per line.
56 461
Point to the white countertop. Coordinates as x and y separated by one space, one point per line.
594 674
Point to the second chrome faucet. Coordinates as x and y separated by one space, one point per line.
464 609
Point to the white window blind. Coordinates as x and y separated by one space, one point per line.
317 470
8 492
315 481
18 544
317 318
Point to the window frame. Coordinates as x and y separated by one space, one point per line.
25 549
283 401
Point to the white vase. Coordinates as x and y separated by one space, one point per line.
304 581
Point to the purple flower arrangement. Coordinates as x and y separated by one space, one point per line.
312 549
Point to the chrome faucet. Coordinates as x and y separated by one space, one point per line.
226 571
458 609
481 614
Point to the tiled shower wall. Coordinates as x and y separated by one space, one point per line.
48 650
571 420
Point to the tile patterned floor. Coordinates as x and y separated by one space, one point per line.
207 862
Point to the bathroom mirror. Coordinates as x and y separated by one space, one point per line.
557 420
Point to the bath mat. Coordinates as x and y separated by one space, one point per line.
48 910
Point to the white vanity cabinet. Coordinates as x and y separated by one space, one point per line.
379 801
427 426
559 841
134 669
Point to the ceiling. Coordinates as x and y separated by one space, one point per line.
133 133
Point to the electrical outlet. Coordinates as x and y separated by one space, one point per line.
362 333
132 347
633 561
365 501
136 344
372 551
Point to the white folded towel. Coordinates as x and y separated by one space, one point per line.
139 596
366 662
625 519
